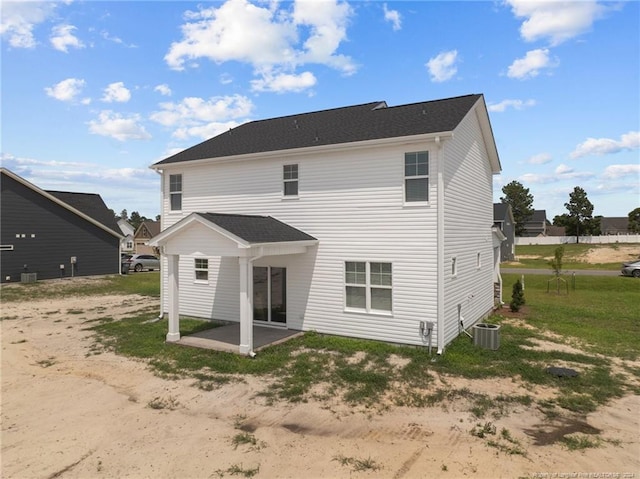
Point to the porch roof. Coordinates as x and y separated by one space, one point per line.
246 231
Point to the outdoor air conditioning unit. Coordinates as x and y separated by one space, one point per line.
486 336
28 277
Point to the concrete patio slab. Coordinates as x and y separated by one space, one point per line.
227 338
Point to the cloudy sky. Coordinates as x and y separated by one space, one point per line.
94 92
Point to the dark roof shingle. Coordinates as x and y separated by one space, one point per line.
90 204
369 121
257 229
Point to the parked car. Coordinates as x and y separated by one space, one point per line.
138 262
631 269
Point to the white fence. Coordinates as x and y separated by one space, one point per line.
583 239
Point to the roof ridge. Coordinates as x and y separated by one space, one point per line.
325 110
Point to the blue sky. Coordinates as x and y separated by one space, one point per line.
95 92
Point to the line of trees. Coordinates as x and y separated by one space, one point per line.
578 221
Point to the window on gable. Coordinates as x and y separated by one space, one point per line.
290 177
368 286
416 176
201 268
175 192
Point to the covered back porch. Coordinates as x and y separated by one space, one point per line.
242 237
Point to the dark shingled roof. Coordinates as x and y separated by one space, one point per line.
90 204
257 229
370 121
500 210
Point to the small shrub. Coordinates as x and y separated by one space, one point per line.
517 297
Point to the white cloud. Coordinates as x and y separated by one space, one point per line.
116 92
607 146
203 118
67 90
563 169
62 38
515 104
540 159
614 172
117 126
442 67
163 89
268 38
531 65
557 21
107 36
283 82
19 19
393 16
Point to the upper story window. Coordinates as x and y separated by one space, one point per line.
290 177
175 192
416 177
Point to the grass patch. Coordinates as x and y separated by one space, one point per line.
238 470
248 439
147 284
579 442
356 464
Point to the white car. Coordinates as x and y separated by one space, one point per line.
139 262
631 269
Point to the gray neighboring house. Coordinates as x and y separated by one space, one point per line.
537 224
54 234
503 219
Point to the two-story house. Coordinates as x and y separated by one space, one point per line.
367 221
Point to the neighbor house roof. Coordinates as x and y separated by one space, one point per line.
257 229
612 224
500 211
369 121
152 227
90 204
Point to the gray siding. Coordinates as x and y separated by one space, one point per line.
52 235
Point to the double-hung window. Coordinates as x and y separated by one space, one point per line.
368 286
290 178
201 268
175 192
416 177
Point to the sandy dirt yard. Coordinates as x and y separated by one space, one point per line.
70 414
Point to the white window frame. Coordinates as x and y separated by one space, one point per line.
200 267
6 247
416 176
368 285
175 193
290 180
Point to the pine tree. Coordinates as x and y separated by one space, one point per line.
517 297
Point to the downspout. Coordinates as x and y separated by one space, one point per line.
440 247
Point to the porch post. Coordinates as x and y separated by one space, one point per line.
246 315
174 298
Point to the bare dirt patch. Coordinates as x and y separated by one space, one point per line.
88 415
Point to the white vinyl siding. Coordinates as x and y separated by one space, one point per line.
468 217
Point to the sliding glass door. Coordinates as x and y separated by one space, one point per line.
270 294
